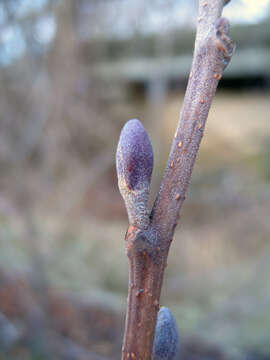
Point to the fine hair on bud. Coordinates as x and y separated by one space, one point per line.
134 164
166 341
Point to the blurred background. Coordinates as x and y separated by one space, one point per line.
72 73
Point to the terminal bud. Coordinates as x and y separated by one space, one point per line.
134 164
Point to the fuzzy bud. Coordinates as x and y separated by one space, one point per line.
166 342
134 164
224 44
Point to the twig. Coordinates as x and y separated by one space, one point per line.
148 245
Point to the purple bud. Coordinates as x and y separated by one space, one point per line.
166 342
134 164
134 157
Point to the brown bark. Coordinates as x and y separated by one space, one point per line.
147 249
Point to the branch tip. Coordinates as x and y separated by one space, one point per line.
225 44
134 164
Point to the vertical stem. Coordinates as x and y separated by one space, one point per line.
146 266
147 249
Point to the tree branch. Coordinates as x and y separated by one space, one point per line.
213 51
147 246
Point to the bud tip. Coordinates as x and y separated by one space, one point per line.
166 342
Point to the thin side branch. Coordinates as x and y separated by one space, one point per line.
212 54
147 248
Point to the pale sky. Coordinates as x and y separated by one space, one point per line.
123 18
250 11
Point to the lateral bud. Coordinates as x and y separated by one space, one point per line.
166 341
225 45
134 165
